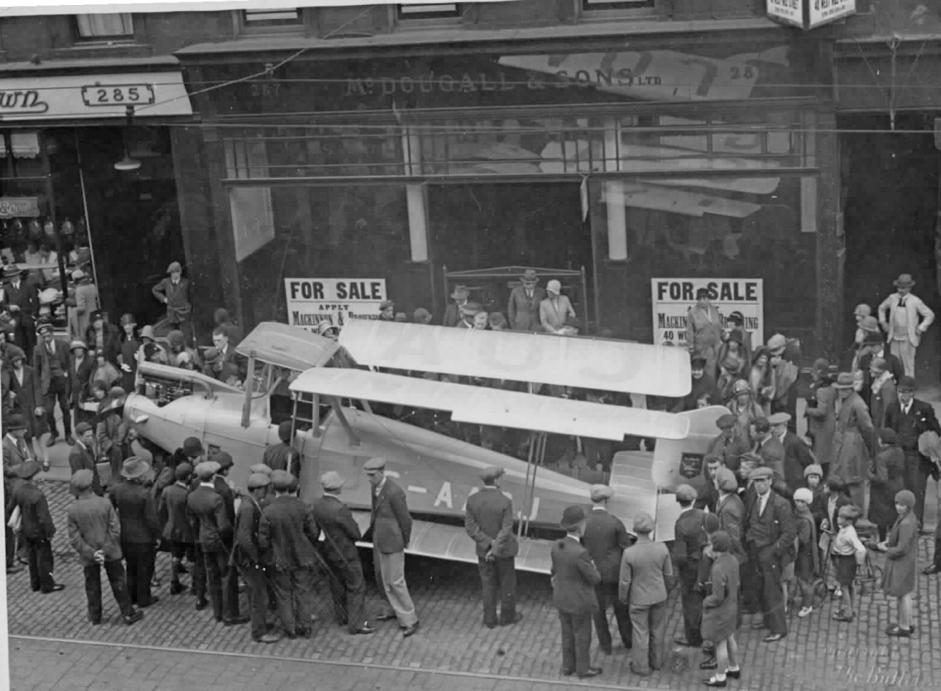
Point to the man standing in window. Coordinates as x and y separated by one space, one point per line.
704 330
174 292
905 317
523 308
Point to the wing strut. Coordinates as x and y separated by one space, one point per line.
534 458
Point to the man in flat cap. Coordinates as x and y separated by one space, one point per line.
687 552
140 530
729 444
574 579
704 330
769 449
606 538
174 292
178 532
282 456
770 530
95 533
797 455
488 520
646 570
212 528
247 556
905 318
341 533
391 527
287 535
228 492
36 527
84 454
51 368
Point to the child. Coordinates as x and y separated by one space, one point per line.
847 554
807 564
813 480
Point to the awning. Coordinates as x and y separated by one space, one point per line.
93 96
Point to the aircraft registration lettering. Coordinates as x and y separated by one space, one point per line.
444 496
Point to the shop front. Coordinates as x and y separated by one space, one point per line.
86 163
612 167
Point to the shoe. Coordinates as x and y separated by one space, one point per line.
734 673
365 630
51 441
385 617
592 672
679 640
177 588
236 621
56 587
410 630
709 664
342 622
490 626
201 604
716 683
759 625
774 638
837 594
182 569
805 612
153 601
515 620
303 631
70 440
931 570
638 672
133 617
267 638
899 632
839 616
568 672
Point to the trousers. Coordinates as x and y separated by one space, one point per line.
917 472
576 642
115 573
140 558
904 351
607 594
217 564
649 636
292 592
58 393
498 582
392 568
41 564
256 583
348 591
770 595
194 554
692 604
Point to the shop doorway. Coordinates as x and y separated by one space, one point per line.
890 184
478 226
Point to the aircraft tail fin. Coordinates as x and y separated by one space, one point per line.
635 490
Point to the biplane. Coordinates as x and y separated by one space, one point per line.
297 375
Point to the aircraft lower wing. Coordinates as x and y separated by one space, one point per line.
487 406
451 543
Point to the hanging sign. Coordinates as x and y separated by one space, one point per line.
312 301
19 207
809 14
672 298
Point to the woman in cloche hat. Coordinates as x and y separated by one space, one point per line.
901 551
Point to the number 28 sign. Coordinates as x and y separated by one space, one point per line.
117 95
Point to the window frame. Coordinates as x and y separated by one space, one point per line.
419 20
129 37
255 28
603 10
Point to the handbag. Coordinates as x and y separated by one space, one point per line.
16 520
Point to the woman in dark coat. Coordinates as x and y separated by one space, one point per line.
887 478
103 338
720 610
901 564
821 414
25 399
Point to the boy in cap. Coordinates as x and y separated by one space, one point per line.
391 527
287 535
95 532
36 527
247 556
341 533
488 520
212 529
646 570
174 292
574 579
178 531
282 456
140 530
606 538
687 552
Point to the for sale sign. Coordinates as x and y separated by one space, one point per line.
312 301
673 297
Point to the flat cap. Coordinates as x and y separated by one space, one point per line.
375 463
281 480
206 469
686 493
183 472
44 328
725 480
779 419
81 428
174 266
777 343
601 492
813 469
761 474
82 479
260 468
28 469
332 481
192 447
726 421
257 480
803 494
643 523
224 459
491 473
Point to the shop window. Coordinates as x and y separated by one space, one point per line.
589 6
409 11
96 27
271 20
251 208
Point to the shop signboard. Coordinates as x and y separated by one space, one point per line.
19 207
312 301
672 297
809 14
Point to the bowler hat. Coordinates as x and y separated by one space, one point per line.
529 276
192 447
686 494
183 472
257 480
599 493
82 479
28 470
332 481
460 293
174 266
134 467
906 384
844 380
572 517
726 421
643 523
904 281
260 468
905 498
15 421
281 480
803 494
491 473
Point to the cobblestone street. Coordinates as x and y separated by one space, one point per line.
818 655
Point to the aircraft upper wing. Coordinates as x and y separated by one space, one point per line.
487 406
287 346
548 359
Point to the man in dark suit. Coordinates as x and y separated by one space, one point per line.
21 300
687 552
797 454
212 528
247 556
574 579
523 307
341 533
37 528
391 527
51 365
84 454
80 371
770 530
910 418
488 521
174 292
231 580
606 538
177 531
452 314
287 534
140 531
15 450
771 452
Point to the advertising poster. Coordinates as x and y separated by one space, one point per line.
311 301
672 298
